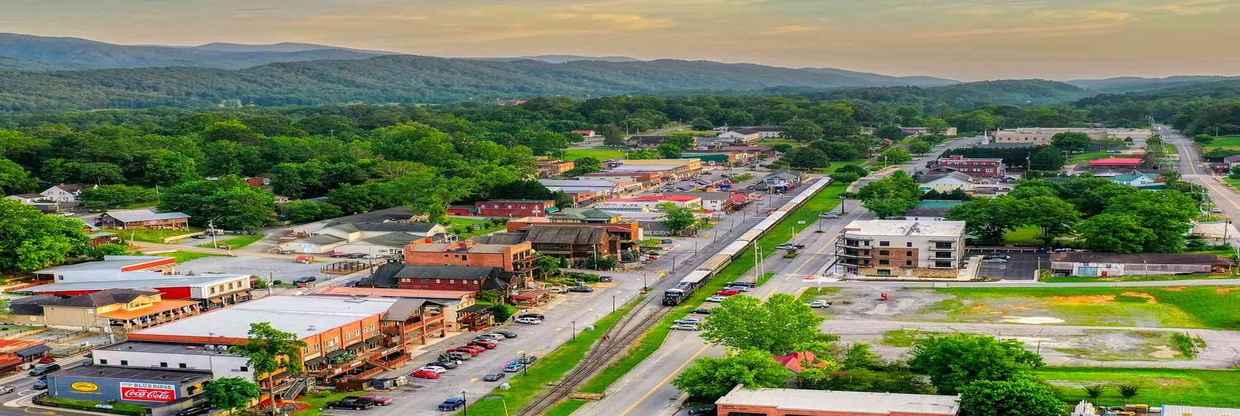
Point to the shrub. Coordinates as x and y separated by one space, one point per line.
1128 390
1094 392
1188 345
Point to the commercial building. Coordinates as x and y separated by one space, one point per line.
946 182
111 268
795 402
976 167
439 278
1092 264
107 311
454 302
142 218
624 235
671 169
16 353
210 291
548 167
931 210
1118 163
366 237
901 247
1041 136
515 259
596 188
922 131
650 202
162 392
515 208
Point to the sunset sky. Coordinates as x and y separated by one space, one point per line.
960 39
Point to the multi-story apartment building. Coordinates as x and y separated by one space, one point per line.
901 247
975 167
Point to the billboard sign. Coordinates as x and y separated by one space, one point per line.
148 392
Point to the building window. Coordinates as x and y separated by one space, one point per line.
910 253
165 365
883 252
884 243
244 368
943 264
124 362
103 361
908 244
182 365
884 262
908 263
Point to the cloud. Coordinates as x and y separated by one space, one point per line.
1192 7
787 29
631 22
1047 24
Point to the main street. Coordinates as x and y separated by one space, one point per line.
647 389
1193 169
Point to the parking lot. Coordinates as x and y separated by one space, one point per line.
1020 265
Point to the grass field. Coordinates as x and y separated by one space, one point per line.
318 401
904 338
1087 156
151 236
1029 235
235 242
482 226
1171 307
1222 142
525 387
1149 278
1233 182
813 293
597 153
650 342
185 256
1215 388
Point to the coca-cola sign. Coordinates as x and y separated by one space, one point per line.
148 392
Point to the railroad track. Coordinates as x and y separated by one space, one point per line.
627 331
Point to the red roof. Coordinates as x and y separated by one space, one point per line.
1116 161
659 197
794 360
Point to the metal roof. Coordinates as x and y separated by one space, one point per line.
170 281
301 315
793 400
136 215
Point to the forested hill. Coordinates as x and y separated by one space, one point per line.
406 79
1023 92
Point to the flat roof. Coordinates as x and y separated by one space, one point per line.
843 401
896 228
301 315
160 348
108 263
394 293
162 306
170 281
137 374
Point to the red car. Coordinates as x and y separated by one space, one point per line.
469 349
427 374
490 345
378 400
728 292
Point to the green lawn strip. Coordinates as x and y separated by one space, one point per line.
1222 142
317 401
461 226
1145 278
183 257
566 407
152 235
1232 182
597 153
836 165
766 277
234 242
824 200
550 368
813 293
1177 307
1214 388
905 338
1087 156
1029 235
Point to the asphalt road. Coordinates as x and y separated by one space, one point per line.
1193 169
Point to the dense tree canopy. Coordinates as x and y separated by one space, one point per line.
891 195
229 203
31 240
954 361
710 378
780 325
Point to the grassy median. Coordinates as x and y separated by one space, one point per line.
824 200
527 385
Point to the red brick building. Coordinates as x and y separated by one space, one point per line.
516 259
976 167
514 208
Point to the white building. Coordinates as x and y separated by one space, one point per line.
946 182
64 193
215 359
897 247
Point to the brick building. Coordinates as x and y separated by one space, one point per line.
514 208
515 259
975 167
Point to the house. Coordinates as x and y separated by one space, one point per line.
107 311
38 201
798 402
15 353
1092 264
64 194
389 237
514 208
946 182
142 218
901 247
737 137
975 167
585 133
1124 163
439 278
111 268
516 259
548 167
258 181
1140 180
210 291
763 132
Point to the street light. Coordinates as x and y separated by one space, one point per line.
574 330
464 403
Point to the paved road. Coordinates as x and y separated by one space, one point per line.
1192 168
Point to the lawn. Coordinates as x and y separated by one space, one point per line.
526 386
813 293
1148 278
1170 307
469 227
1233 182
318 401
1214 388
826 199
1087 156
235 242
185 256
151 236
1029 235
1222 142
905 338
597 153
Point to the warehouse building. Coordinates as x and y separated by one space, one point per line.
1092 264
795 402
163 392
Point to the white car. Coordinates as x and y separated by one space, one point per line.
433 368
686 327
528 321
716 298
494 337
819 304
689 321
830 215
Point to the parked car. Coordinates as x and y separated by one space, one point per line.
459 355
494 376
581 289
606 279
716 298
528 321
485 343
737 288
429 375
513 366
527 359
452 403
786 247
686 327
537 316
473 352
728 292
39 385
700 410
819 304
378 400
702 311
506 333
195 410
997 256
304 280
6 389
433 368
494 336
446 362
994 261
744 284
354 403
689 321
44 369
830 215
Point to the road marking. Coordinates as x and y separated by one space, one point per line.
665 379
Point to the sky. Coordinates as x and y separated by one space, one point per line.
959 39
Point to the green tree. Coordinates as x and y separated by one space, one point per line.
1018 397
889 132
701 124
917 146
807 158
890 196
935 126
709 378
1168 214
1070 141
780 325
612 135
669 150
232 130
31 240
585 165
1047 159
269 349
677 219
802 130
1115 232
953 361
231 393
1054 216
896 155
116 196
306 211
165 167
13 178
416 142
229 202
840 150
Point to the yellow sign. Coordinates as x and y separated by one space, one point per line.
84 387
